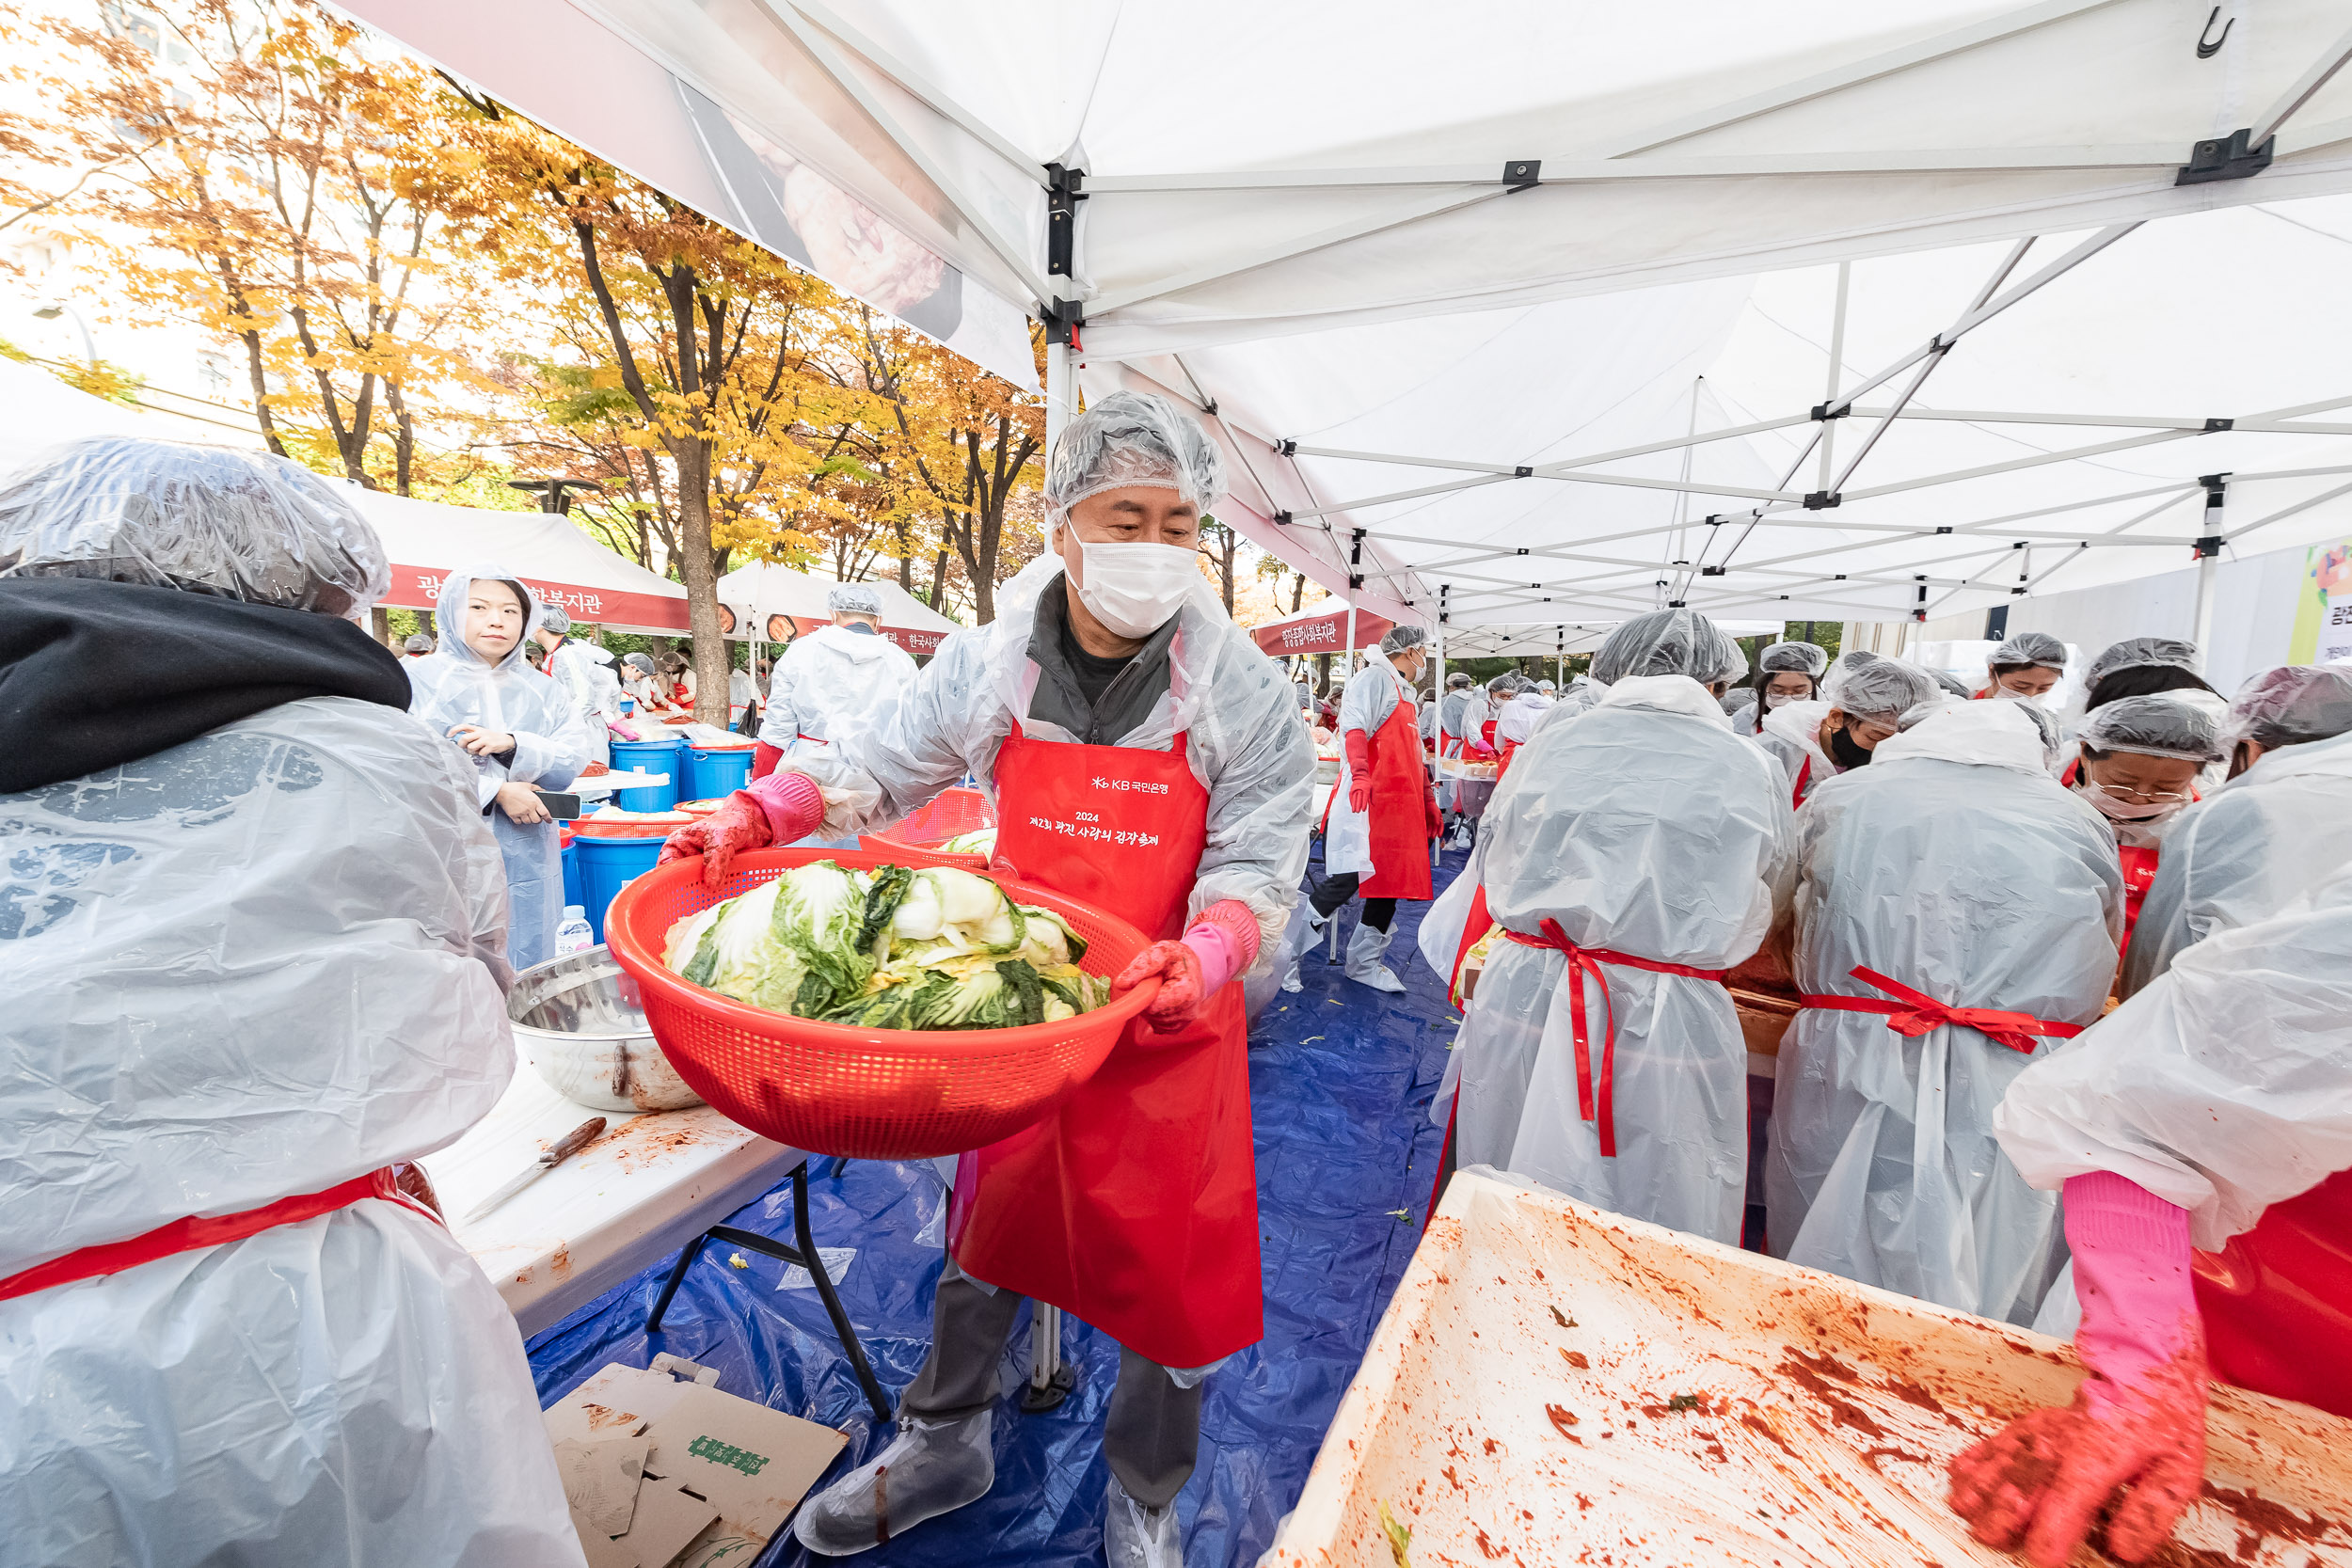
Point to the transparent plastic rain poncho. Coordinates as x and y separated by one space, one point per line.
239 525
1132 439
585 674
254 966
2263 838
2222 1087
1642 826
828 683
454 686
2141 652
1372 694
1243 741
1956 865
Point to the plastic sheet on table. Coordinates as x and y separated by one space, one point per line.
1340 1080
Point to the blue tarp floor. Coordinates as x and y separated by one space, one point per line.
1340 1079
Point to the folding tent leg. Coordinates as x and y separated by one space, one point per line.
1051 1379
804 1254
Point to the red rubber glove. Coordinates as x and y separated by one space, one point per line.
1193 969
778 809
1429 810
1359 748
2137 1422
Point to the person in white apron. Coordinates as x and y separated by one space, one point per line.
1146 757
254 925
518 729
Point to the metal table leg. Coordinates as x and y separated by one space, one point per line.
804 1254
1050 1378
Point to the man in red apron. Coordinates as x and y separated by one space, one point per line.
2202 1134
1383 812
1147 760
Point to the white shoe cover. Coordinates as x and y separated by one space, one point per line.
1364 964
1134 1536
930 1469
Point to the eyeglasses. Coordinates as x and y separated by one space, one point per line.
2146 797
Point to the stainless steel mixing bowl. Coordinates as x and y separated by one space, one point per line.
577 1021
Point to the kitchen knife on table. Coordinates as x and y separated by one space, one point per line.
562 1150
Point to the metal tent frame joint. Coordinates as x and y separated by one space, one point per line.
1522 174
1815 500
2226 158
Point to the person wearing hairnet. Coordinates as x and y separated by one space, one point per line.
1500 692
1383 812
2138 768
833 681
1549 690
641 683
2282 820
416 647
1461 800
2028 667
2148 667
1785 672
584 671
253 925
1862 704
1519 716
518 729
1147 759
1635 855
2202 1137
1920 1008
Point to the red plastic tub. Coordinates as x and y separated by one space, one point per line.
865 1094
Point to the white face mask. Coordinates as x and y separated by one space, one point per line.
2045 699
1134 589
1780 699
2116 810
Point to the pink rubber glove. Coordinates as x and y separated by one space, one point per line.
777 809
2138 1421
1359 748
622 730
1195 967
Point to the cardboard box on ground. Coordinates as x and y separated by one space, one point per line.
663 1470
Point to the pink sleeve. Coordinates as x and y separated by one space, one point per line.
794 805
2131 1274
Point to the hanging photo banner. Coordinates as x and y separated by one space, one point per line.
1319 631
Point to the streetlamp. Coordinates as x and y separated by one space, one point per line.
56 307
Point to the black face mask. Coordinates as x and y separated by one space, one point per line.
1847 751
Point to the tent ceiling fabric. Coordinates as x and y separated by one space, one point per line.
1403 254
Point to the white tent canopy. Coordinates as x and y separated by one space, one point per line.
1435 272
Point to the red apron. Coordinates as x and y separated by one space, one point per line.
2140 875
1399 818
2276 1297
1133 1207
1804 777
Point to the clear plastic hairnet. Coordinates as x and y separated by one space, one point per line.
1875 688
1951 683
1400 638
2290 706
1503 685
239 525
2031 647
1669 643
2138 652
1737 698
1803 658
1132 439
554 618
419 644
2153 726
853 598
1457 680
641 663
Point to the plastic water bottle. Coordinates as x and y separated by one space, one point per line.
573 935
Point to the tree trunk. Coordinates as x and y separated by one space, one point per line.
1298 590
380 626
939 580
698 567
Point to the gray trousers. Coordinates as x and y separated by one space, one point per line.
1152 1435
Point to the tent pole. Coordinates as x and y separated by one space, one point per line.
2208 552
1046 1327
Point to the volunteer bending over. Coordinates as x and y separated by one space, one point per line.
1785 672
2281 823
1956 916
2138 769
832 682
1862 704
1383 812
516 728
252 922
1635 854
1147 759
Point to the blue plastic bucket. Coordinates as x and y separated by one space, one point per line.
720 770
649 756
606 867
571 871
